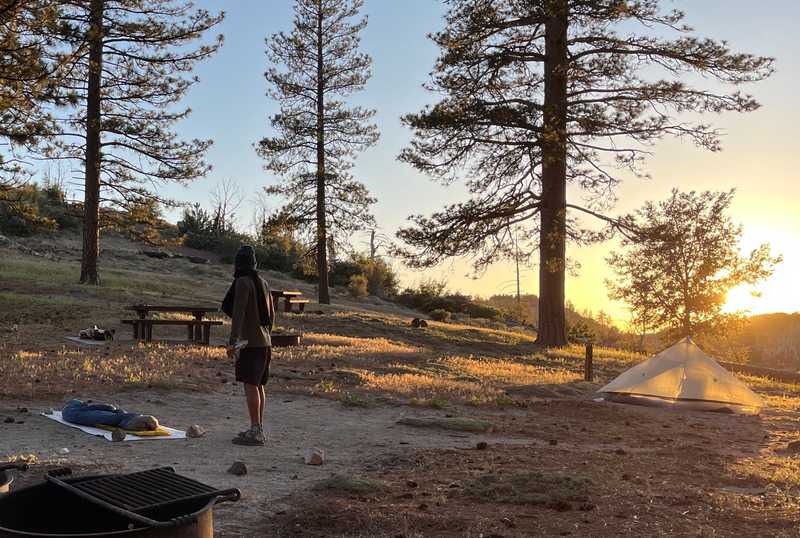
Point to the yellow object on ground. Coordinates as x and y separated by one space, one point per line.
160 432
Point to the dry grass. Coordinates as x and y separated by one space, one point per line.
462 424
556 491
325 347
66 370
350 484
357 357
781 471
389 367
503 371
430 387
601 354
57 275
459 331
350 399
470 380
777 394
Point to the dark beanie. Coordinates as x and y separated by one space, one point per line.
245 258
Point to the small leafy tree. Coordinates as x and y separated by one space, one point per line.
317 134
677 274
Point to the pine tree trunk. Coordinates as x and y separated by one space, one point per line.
552 329
322 230
91 204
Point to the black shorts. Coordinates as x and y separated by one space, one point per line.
252 366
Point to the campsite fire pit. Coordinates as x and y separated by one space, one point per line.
6 478
157 503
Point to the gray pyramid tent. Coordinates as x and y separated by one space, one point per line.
683 376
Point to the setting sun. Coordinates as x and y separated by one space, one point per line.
774 295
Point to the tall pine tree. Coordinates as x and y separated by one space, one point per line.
542 94
28 78
133 63
317 134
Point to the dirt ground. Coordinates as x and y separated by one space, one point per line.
350 437
531 454
647 472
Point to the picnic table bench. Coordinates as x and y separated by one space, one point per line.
291 298
198 329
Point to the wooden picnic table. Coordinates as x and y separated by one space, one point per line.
290 298
198 329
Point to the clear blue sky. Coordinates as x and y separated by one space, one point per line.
761 154
230 105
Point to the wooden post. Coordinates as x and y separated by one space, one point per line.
588 370
197 328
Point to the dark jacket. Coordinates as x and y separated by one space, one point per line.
245 318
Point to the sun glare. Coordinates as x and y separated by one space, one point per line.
775 295
741 298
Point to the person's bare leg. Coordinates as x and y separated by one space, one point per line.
263 396
253 397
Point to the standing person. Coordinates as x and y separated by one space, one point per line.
250 307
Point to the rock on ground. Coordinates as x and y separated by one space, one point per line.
315 456
195 431
238 468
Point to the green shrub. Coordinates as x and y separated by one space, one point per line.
358 286
206 231
276 247
341 272
140 219
423 297
278 256
477 310
31 209
381 278
439 314
430 296
452 302
580 332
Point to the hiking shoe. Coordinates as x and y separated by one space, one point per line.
250 429
252 437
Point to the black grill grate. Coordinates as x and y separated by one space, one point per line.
138 492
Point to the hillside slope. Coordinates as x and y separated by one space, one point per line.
39 285
774 340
